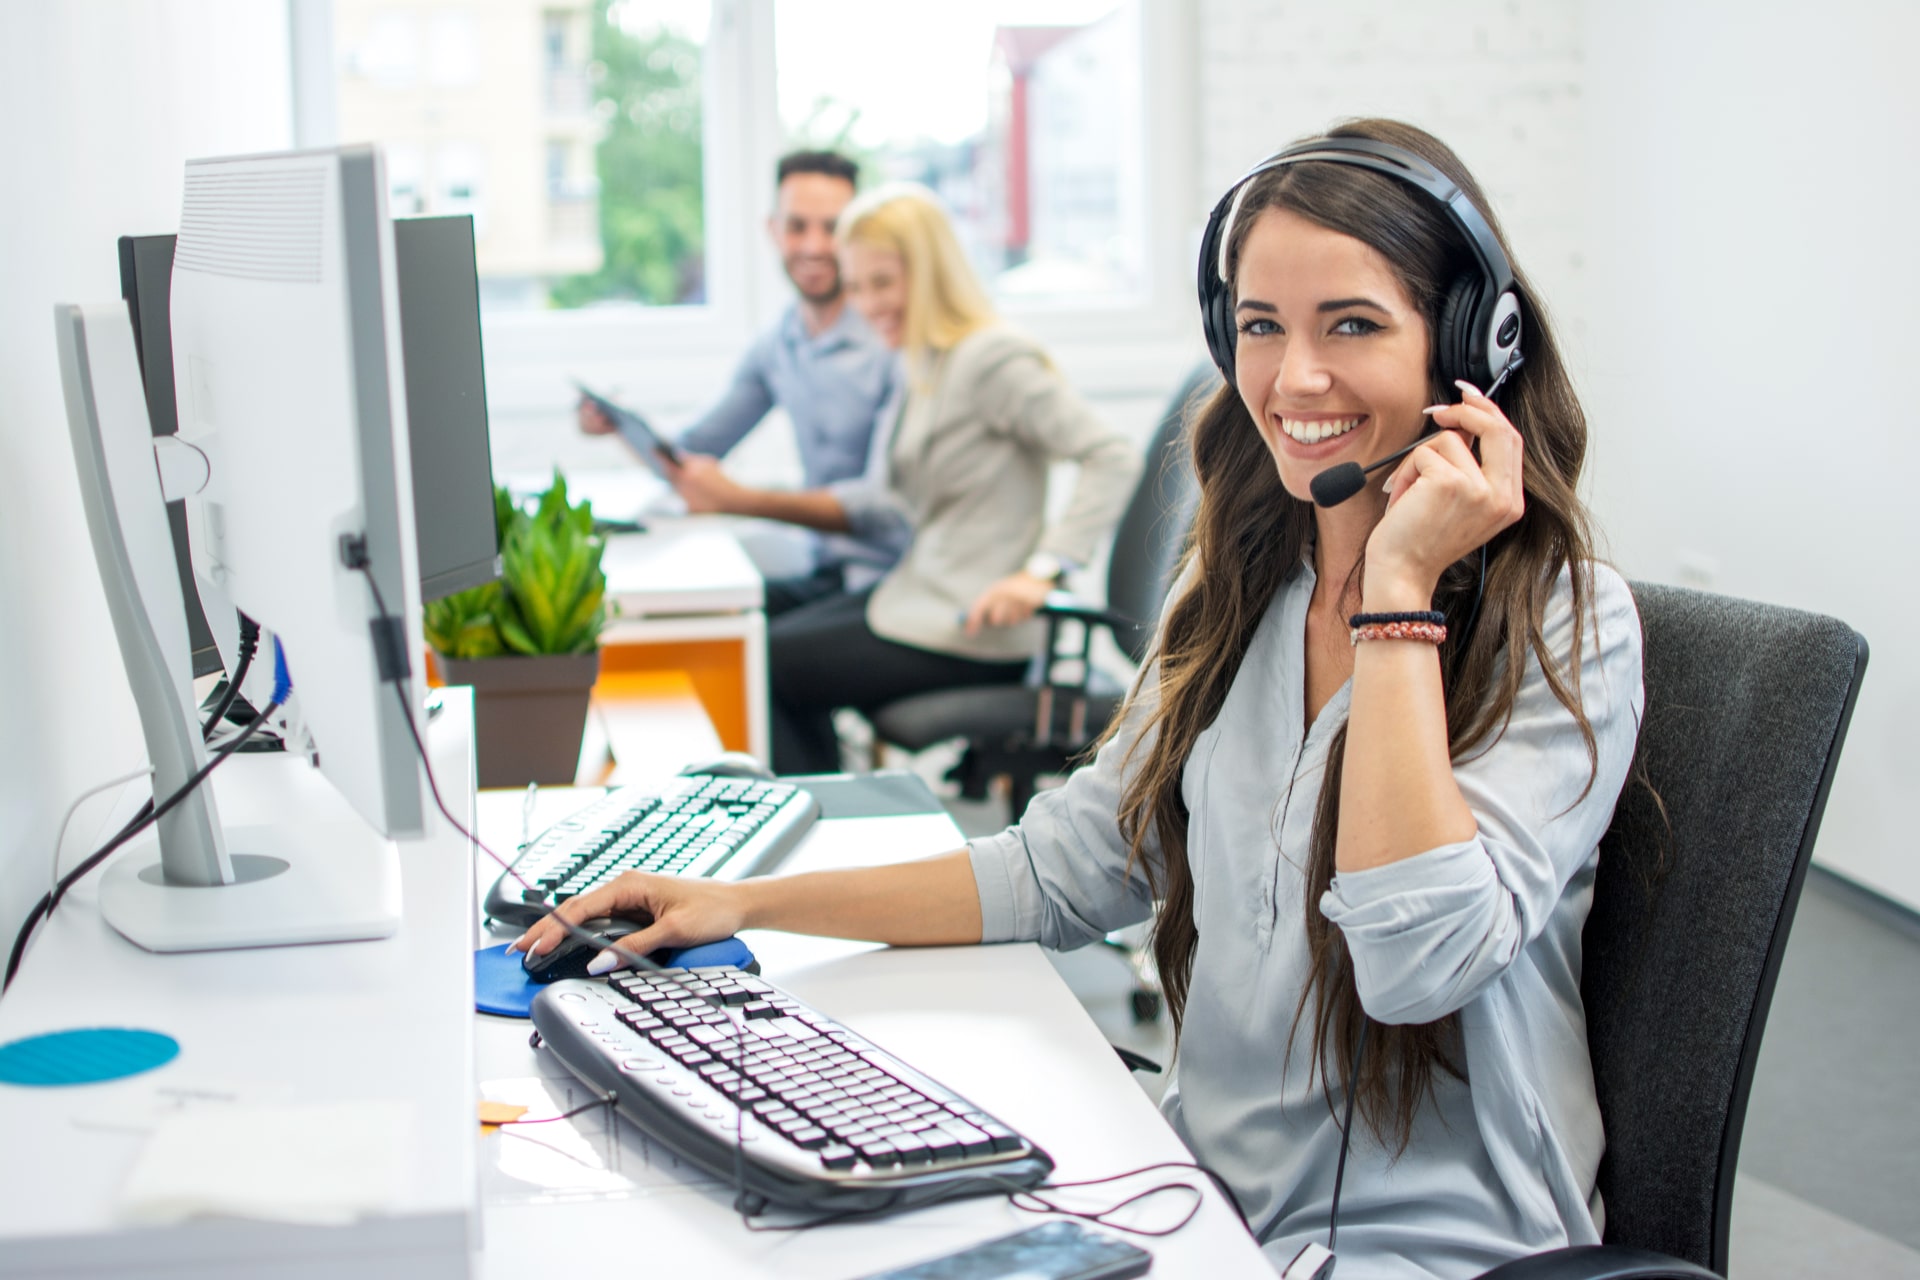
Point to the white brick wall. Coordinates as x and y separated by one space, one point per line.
1499 81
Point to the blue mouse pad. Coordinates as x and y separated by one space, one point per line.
89 1055
501 986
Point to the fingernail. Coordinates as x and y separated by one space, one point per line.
605 962
513 948
1435 408
1467 388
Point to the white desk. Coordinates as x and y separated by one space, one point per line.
687 580
393 1019
390 1019
995 1023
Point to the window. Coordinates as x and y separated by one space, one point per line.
580 152
620 154
384 48
453 47
640 102
406 180
1024 116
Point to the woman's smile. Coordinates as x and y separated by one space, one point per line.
1318 429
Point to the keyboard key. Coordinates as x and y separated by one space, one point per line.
1004 1139
878 1152
943 1145
912 1148
973 1142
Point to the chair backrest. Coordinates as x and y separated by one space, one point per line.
1747 708
1153 530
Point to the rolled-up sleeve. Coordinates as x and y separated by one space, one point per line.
1060 877
1429 932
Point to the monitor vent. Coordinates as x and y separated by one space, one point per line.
253 224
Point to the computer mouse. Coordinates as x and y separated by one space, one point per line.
571 958
732 764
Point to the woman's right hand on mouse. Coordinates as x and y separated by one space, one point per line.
683 912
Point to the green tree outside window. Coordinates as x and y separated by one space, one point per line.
652 206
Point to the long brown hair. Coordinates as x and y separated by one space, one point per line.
1250 536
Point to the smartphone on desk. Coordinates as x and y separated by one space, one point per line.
1056 1251
632 426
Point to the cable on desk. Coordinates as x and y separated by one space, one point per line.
149 814
610 1100
60 839
1027 1200
1219 1184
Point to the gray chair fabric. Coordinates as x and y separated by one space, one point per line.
1747 709
1152 532
998 721
983 713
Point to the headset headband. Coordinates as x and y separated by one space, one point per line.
1488 326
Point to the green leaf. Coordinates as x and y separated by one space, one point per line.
462 625
552 594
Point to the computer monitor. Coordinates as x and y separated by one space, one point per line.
446 402
294 460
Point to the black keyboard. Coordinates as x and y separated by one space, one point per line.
829 1121
695 826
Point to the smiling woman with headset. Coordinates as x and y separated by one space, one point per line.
1361 785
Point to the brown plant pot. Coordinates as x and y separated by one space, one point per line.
529 714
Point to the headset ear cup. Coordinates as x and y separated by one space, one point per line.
1453 341
1222 338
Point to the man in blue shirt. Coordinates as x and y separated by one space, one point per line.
819 362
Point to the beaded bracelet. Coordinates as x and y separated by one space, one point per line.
1424 615
1431 632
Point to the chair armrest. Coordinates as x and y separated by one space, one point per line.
1599 1262
1060 604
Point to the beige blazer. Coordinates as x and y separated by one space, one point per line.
969 462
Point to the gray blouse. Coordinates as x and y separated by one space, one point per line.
1501 1164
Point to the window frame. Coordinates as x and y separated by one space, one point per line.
685 353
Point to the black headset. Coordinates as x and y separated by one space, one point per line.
1478 337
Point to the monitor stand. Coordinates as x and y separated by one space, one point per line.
298 881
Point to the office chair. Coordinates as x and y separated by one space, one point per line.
1747 708
1038 727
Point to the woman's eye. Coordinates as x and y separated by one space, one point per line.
1258 327
1356 326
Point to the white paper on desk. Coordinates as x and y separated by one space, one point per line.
323 1163
144 1106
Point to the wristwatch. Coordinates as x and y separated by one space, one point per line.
1046 566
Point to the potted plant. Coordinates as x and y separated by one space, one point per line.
529 643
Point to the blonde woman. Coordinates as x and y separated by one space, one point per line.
958 479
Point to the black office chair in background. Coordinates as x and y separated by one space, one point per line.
1026 731
1747 708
